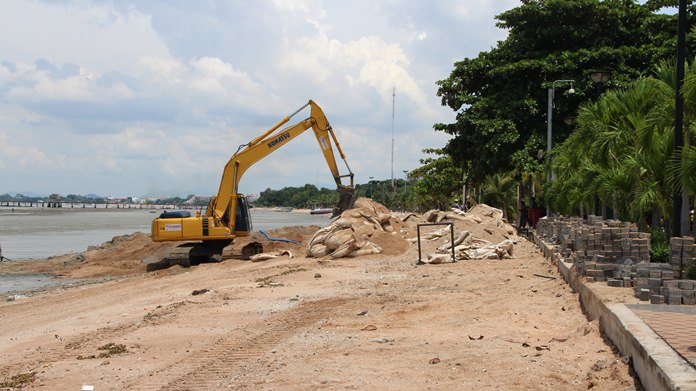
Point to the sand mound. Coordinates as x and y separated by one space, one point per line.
121 256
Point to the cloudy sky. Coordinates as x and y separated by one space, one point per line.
147 98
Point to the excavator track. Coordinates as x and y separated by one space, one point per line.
195 253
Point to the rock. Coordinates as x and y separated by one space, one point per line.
381 340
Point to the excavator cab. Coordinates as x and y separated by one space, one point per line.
242 222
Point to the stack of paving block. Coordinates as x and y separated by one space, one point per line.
604 250
548 228
650 279
613 242
681 254
665 291
595 220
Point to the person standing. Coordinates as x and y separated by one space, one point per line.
523 215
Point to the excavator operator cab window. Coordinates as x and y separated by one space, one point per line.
243 220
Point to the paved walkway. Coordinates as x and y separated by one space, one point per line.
676 324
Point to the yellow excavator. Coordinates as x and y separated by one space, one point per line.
227 215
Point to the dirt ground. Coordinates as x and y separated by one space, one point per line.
377 322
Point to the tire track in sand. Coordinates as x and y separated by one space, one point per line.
206 368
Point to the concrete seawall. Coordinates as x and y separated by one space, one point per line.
658 366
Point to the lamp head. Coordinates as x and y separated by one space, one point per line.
571 90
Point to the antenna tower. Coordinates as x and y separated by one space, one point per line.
393 187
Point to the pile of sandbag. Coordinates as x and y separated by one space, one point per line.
350 235
467 246
357 231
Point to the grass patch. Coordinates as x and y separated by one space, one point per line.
268 280
19 381
108 350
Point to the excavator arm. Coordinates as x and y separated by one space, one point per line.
227 215
270 141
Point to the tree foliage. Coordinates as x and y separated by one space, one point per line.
307 196
623 150
501 95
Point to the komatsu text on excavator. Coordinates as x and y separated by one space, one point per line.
227 215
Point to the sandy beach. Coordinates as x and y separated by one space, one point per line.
300 323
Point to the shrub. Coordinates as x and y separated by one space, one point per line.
659 248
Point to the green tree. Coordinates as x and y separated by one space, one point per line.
620 151
500 96
499 192
437 182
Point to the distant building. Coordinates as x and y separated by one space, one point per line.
198 200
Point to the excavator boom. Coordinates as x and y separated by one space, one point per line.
227 214
273 139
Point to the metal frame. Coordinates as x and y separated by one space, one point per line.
418 227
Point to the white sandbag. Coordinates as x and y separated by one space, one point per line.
455 216
337 239
369 249
318 250
344 250
435 259
457 241
266 256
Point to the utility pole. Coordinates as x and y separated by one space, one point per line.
393 187
679 117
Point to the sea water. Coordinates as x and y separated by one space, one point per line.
35 233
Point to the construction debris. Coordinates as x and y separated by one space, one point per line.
481 233
266 256
350 235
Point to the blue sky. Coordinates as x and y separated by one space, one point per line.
151 98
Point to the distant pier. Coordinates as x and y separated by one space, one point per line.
84 205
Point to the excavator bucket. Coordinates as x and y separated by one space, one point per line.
346 200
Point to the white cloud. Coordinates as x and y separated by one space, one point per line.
165 70
154 97
90 33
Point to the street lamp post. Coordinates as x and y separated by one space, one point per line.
549 131
599 78
371 178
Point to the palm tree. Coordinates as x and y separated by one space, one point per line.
620 151
499 190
